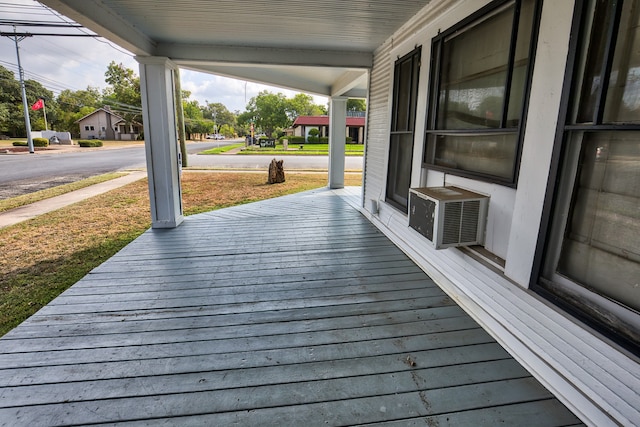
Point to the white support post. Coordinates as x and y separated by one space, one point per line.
337 140
161 143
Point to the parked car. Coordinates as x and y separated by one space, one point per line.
215 136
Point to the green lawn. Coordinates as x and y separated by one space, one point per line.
223 149
305 150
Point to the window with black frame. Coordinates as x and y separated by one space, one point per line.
479 85
592 258
403 120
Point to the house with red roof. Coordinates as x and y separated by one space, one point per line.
303 124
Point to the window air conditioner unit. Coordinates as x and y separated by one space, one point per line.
448 216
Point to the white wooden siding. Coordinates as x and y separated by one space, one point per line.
378 126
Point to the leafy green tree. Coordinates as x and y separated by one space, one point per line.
192 110
269 111
71 103
11 108
243 122
302 105
74 100
356 104
226 130
10 103
219 114
194 121
123 93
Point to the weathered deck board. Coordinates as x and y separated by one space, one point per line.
292 311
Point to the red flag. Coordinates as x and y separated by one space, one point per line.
38 105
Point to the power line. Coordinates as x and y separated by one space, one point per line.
34 76
21 23
100 39
57 21
67 23
46 34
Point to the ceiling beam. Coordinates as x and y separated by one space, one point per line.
265 55
273 76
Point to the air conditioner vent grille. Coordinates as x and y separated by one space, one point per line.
469 223
451 225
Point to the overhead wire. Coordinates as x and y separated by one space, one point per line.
100 39
60 22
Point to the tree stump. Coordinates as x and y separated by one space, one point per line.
276 172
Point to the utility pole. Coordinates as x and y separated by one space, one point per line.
180 115
27 121
17 38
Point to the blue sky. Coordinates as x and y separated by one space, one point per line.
77 62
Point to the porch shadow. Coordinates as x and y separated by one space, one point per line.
293 311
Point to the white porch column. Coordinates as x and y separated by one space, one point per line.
337 138
161 143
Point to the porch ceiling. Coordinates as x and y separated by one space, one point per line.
322 47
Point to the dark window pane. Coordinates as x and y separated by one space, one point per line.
623 96
520 64
474 73
400 156
403 96
485 154
601 249
402 125
592 80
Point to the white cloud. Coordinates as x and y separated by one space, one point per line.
233 93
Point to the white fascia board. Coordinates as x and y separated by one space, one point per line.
265 55
104 22
265 75
348 81
356 93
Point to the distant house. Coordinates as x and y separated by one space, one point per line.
105 124
303 124
127 131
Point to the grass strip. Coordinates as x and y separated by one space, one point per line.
292 150
44 256
223 149
27 199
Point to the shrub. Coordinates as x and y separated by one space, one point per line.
90 143
37 142
296 139
40 142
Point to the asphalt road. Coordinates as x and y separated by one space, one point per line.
25 173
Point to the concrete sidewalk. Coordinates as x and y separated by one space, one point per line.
24 213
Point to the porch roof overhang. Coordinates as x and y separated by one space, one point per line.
320 47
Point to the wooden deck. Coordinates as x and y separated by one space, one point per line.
289 312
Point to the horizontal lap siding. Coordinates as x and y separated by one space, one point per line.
378 125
